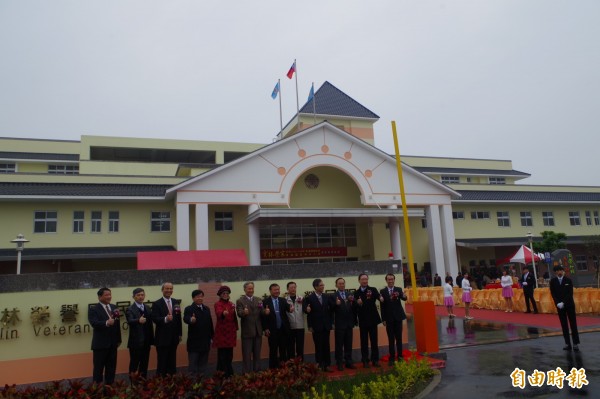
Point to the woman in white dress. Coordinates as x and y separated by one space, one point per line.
507 292
466 296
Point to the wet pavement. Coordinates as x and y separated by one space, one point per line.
481 355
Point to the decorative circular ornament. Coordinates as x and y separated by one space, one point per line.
348 155
281 170
368 173
311 181
301 153
324 148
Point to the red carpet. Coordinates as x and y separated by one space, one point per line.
542 320
336 374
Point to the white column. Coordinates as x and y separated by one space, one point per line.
183 227
395 236
434 232
202 226
449 240
253 239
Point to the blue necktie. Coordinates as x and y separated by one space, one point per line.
277 316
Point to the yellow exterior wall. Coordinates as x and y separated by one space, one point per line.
336 190
31 167
469 228
40 146
134 224
238 238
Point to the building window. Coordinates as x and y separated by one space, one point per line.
503 219
526 219
96 221
63 169
424 223
223 221
497 180
160 221
596 261
458 215
450 179
588 218
78 218
548 218
45 221
113 221
574 219
480 215
596 218
8 168
581 263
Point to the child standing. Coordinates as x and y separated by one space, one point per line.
448 292
466 296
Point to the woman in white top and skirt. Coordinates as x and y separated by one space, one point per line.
448 293
507 292
466 296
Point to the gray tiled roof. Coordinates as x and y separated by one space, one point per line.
83 189
464 171
38 155
78 253
533 196
329 100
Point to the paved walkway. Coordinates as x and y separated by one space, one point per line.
482 353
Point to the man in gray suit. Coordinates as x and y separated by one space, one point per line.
249 309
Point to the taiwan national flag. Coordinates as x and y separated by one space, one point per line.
292 70
275 91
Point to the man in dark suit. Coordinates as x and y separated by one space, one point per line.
528 283
365 306
200 333
561 288
249 310
106 337
344 321
276 325
316 306
393 315
141 334
166 314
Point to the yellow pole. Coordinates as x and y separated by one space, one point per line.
411 264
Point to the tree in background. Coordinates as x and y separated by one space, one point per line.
551 241
592 247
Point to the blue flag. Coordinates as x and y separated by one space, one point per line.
311 94
275 91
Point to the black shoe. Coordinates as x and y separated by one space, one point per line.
535 312
350 366
568 348
576 348
366 365
376 364
529 311
340 367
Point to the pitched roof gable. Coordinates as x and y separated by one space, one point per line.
329 100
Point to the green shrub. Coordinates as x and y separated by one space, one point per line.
390 385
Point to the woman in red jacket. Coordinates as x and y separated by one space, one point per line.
226 331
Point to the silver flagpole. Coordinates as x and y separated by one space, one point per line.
280 114
314 101
297 101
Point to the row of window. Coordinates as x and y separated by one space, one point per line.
526 218
47 221
160 221
52 169
456 180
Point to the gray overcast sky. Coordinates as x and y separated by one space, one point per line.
513 79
